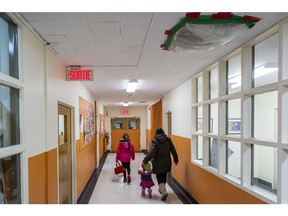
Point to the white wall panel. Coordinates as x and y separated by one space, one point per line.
44 86
34 94
178 102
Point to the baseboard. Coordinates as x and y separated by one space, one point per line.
181 192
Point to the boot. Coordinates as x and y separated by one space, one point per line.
143 192
124 175
162 190
150 192
128 179
164 196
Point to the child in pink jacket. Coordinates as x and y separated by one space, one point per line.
125 154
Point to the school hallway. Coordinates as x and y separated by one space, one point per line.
66 102
110 188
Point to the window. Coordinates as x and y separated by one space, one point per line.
265 116
9 116
199 89
264 160
199 147
10 96
266 61
8 47
213 81
213 113
213 151
233 125
233 155
199 114
234 75
244 105
10 187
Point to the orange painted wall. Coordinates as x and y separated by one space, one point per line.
86 158
155 117
52 176
37 179
85 164
42 178
204 186
155 122
148 139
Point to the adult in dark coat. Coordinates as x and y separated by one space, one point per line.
160 154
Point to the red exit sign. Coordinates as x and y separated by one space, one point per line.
79 75
124 112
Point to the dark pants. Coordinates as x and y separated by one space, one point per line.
161 178
127 167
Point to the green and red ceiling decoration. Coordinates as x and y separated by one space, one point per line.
197 32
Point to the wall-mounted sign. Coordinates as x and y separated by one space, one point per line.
124 111
79 75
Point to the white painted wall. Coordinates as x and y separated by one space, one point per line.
34 94
44 87
178 102
133 112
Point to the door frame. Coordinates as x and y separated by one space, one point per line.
73 151
169 124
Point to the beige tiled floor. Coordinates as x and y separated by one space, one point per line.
110 189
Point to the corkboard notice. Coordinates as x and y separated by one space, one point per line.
87 126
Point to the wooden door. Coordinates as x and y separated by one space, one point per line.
64 154
119 126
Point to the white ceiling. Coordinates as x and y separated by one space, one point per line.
122 46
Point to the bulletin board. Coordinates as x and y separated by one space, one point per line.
87 124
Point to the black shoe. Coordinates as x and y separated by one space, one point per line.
125 180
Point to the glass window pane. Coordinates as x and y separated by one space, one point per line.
234 75
213 151
10 178
213 87
265 116
266 61
234 117
199 89
8 46
199 148
213 124
264 173
132 124
233 155
9 116
61 125
199 125
118 125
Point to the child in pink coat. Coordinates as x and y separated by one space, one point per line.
125 154
146 178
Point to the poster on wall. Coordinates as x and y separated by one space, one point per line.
86 123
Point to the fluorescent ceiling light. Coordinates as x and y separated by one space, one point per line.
235 81
132 85
265 69
125 103
258 72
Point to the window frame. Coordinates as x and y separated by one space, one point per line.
246 138
17 83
